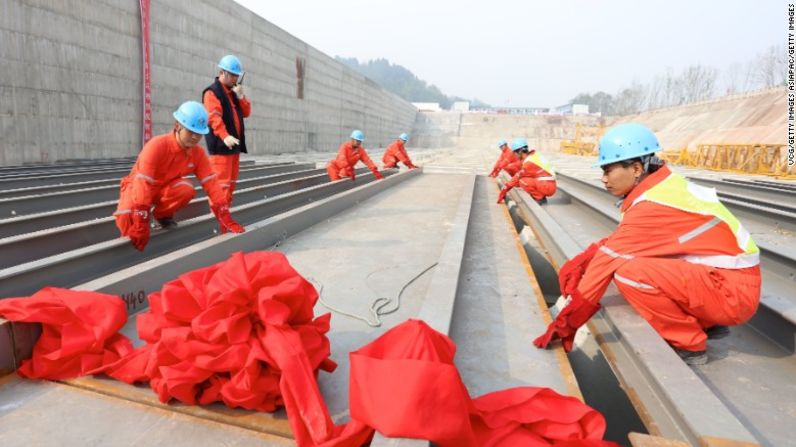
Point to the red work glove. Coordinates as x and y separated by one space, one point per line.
502 194
139 232
411 165
494 173
225 219
377 174
573 316
572 271
353 175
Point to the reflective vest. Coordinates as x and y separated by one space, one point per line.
539 160
676 192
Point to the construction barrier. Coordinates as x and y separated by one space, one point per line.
765 159
580 147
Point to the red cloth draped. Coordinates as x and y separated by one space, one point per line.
79 331
243 332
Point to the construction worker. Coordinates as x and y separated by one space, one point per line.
678 256
536 175
506 158
397 152
227 105
349 154
158 179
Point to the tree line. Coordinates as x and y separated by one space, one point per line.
399 80
694 83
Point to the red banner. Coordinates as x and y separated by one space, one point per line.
146 84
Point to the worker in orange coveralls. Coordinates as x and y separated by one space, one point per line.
536 175
678 256
350 153
396 152
158 179
227 105
507 158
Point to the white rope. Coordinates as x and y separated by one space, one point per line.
377 307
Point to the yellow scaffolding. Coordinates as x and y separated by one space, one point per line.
766 159
580 147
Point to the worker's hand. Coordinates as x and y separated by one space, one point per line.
411 165
231 141
494 173
502 195
238 90
139 232
573 316
377 174
572 271
225 219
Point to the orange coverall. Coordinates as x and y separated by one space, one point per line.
396 152
158 178
225 166
529 177
678 298
347 158
507 157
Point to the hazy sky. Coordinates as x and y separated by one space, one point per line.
534 53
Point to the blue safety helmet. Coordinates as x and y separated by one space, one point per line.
625 142
358 135
502 143
193 117
404 136
231 64
518 143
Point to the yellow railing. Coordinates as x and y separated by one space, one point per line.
766 159
580 147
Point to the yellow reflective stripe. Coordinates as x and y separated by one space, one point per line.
539 160
631 283
677 192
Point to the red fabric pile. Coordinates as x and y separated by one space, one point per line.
242 332
79 332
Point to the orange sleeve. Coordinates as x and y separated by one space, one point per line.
515 180
342 156
215 112
207 178
246 106
647 230
146 179
366 159
498 164
402 156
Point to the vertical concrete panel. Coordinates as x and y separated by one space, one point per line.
70 79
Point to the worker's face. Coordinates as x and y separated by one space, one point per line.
522 153
227 78
504 147
355 144
186 138
620 180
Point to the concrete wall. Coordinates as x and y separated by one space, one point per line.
70 79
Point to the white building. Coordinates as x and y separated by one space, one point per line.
427 106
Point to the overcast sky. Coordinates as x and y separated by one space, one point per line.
534 53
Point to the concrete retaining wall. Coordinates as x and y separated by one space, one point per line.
70 79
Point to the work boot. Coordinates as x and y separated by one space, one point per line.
167 223
692 357
543 201
718 331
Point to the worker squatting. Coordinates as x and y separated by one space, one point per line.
157 186
678 256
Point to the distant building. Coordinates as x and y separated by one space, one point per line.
461 106
427 106
571 109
